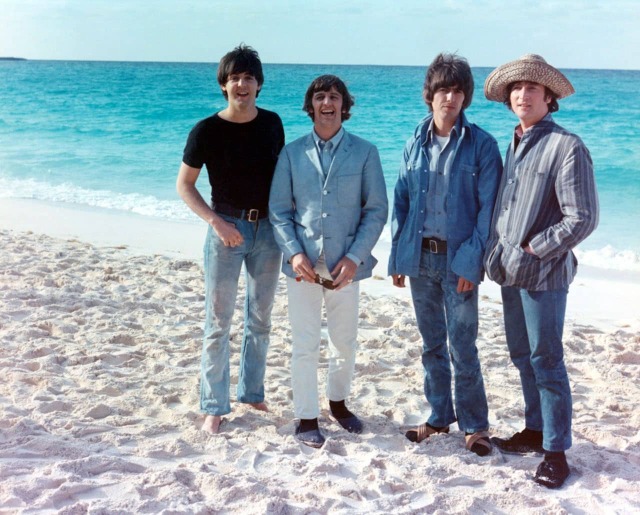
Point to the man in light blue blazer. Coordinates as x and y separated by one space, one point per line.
328 206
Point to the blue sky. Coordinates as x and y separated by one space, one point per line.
569 34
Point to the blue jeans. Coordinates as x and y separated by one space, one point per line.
441 311
533 322
222 265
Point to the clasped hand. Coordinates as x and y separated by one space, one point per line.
343 273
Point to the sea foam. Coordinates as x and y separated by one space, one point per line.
146 205
607 257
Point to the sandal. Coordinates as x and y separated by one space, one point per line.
478 442
424 431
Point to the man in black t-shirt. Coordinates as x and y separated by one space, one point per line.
239 147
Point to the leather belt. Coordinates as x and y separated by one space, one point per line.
434 245
251 215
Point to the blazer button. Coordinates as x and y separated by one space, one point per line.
324 215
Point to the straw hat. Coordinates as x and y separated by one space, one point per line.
531 68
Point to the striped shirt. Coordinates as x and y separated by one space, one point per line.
547 199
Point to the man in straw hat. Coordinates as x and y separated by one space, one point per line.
547 204
443 203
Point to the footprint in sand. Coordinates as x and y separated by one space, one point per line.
50 407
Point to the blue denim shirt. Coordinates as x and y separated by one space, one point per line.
440 159
475 175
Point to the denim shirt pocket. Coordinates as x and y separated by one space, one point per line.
413 176
470 173
463 191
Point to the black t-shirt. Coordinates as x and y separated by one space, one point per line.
240 157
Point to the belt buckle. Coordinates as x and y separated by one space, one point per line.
253 215
433 246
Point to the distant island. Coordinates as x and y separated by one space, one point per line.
12 59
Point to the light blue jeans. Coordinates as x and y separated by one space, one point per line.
441 311
262 259
533 322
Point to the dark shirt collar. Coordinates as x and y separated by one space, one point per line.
518 133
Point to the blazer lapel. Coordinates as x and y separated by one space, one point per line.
341 155
312 154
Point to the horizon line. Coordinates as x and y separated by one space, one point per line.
23 59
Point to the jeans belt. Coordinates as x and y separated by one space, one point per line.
434 246
251 215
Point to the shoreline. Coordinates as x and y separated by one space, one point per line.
605 298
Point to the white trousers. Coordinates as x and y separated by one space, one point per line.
305 317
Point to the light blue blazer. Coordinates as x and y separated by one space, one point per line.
342 215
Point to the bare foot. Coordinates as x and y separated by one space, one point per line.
260 406
212 424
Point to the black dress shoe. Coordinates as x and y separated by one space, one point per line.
344 417
313 438
524 442
553 471
351 424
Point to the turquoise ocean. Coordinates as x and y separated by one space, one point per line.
111 134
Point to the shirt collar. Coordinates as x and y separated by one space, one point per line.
518 132
458 129
337 138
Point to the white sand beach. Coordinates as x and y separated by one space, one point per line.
101 319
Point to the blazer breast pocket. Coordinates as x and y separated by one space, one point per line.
349 190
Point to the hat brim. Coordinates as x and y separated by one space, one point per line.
495 87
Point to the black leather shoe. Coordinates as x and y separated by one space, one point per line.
313 438
552 472
351 424
524 442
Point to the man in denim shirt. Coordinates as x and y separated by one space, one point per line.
546 205
443 204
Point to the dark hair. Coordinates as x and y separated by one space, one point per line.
446 71
553 105
325 83
242 59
